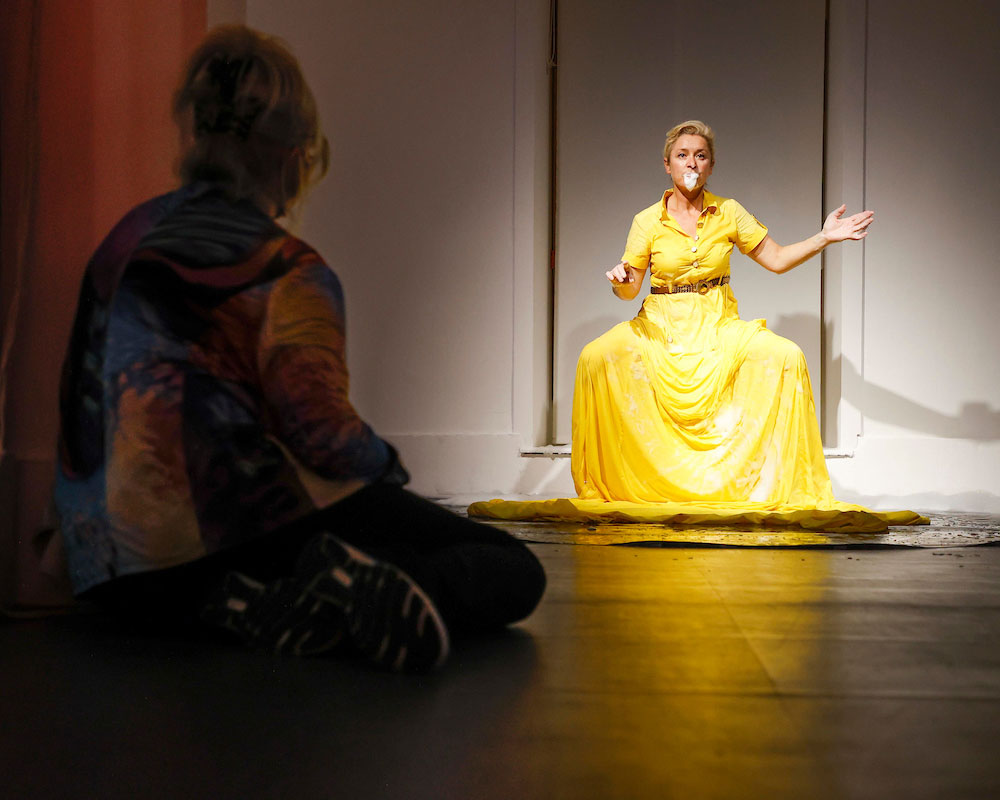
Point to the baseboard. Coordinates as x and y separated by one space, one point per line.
478 464
924 473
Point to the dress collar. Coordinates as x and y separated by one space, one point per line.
711 203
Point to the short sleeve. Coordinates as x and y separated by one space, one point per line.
638 245
749 231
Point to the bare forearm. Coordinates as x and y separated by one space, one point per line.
837 228
790 256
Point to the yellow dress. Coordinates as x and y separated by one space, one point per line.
687 413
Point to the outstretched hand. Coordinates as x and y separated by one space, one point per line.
620 273
837 227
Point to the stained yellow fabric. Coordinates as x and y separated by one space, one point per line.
841 518
689 414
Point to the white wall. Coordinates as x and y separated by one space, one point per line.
434 217
929 388
616 102
420 217
416 213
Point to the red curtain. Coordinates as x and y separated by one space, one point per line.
86 133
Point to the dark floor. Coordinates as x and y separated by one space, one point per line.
659 672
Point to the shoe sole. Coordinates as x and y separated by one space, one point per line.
390 619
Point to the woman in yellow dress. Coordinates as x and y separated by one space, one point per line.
686 412
687 402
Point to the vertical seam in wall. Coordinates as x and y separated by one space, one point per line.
514 365
864 203
553 65
824 345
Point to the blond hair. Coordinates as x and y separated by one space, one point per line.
249 119
693 127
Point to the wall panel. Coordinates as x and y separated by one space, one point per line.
628 71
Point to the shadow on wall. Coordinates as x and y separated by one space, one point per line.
975 420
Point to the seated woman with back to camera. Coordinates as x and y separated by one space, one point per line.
212 470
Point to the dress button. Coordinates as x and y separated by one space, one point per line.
694 249
694 263
696 237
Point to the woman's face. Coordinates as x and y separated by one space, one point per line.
689 157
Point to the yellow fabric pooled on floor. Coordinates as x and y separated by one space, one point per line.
841 517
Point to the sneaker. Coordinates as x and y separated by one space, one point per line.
390 619
279 617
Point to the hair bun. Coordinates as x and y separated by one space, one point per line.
254 119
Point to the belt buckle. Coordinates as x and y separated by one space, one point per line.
703 287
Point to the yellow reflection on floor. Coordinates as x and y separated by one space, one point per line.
663 667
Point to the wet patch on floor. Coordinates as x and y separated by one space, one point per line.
946 529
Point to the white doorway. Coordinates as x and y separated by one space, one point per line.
628 71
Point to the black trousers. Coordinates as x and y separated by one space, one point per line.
479 577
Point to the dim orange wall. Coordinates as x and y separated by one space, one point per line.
98 140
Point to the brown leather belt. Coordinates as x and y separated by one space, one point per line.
701 287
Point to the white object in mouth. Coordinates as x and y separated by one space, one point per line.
690 180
